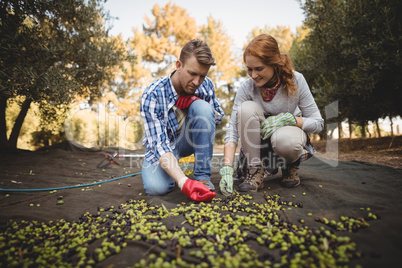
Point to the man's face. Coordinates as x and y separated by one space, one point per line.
191 74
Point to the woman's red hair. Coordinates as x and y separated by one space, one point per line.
266 49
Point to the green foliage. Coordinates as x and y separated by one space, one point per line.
44 138
53 51
32 122
56 52
103 128
43 126
352 54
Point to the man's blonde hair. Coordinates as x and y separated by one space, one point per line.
200 50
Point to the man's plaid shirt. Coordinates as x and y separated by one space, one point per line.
157 111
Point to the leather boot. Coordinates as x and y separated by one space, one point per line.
253 181
290 176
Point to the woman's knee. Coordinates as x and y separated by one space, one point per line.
248 109
288 142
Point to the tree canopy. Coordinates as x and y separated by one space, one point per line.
52 51
352 54
56 52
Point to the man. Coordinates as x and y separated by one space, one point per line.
180 112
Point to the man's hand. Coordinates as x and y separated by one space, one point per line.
226 182
184 102
197 191
272 123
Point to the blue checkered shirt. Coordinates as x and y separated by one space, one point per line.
160 123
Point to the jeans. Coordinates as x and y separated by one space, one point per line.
196 137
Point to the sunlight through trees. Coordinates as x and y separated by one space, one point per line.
58 63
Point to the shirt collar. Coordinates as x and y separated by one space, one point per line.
173 94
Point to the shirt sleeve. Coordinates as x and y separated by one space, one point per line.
218 109
312 120
156 138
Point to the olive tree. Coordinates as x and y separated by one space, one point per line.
51 52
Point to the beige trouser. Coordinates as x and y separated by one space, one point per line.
287 142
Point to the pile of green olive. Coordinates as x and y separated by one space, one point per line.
226 232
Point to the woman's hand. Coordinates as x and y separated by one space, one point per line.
272 123
226 182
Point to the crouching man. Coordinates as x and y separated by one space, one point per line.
180 112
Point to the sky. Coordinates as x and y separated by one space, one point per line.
238 17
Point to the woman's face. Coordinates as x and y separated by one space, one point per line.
258 71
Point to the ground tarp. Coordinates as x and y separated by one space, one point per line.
328 190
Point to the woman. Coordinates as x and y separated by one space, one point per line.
272 115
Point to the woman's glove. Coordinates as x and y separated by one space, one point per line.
196 190
226 182
272 123
184 102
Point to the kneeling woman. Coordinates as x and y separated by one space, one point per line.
272 116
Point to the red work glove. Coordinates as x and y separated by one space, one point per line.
197 191
184 102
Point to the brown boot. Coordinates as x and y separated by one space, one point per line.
290 178
253 181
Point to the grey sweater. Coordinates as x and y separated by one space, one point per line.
302 104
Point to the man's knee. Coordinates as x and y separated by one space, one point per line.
155 180
201 118
157 191
155 186
202 108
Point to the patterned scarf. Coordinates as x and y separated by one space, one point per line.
272 91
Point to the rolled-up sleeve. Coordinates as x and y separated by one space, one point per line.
218 109
156 137
207 92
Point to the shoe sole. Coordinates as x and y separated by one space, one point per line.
289 186
209 185
252 190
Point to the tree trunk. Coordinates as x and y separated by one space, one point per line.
18 123
117 132
350 129
340 130
392 126
323 134
331 133
107 134
363 127
378 128
3 124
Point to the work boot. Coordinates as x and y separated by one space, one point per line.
290 178
208 183
253 181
